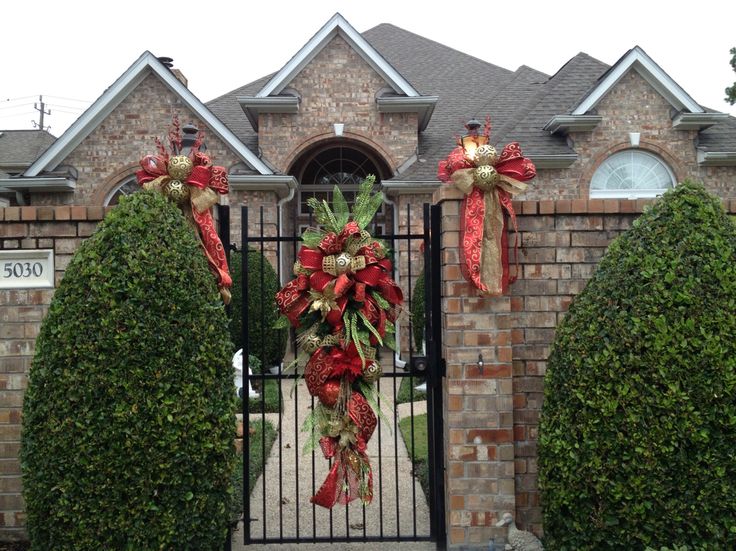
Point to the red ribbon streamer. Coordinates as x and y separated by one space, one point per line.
203 175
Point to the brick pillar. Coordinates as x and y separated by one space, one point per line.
478 401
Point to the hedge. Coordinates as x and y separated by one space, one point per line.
128 422
265 342
638 425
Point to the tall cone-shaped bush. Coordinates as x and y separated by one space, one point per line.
639 420
128 418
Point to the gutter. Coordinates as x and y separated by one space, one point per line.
39 184
716 158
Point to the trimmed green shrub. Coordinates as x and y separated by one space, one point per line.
637 432
128 420
264 341
418 318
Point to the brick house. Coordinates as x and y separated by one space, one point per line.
605 139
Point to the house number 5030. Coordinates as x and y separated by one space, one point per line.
23 269
26 269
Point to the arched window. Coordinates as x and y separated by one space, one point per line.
126 187
341 164
631 174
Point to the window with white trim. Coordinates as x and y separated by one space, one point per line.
127 186
631 174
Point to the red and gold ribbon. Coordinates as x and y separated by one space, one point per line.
205 182
484 249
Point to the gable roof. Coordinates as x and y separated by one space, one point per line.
637 59
19 148
89 120
337 25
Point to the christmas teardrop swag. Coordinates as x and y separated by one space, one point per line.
344 303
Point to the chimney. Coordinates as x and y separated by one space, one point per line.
180 77
169 64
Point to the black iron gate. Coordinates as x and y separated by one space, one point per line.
406 450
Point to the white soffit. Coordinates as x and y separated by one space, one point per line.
115 94
639 61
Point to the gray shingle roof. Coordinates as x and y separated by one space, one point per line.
19 148
557 96
520 102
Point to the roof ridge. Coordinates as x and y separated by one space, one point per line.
445 46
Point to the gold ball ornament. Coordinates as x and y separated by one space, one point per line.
311 344
486 175
342 263
486 155
180 167
176 190
372 372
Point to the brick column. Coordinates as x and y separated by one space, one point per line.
478 401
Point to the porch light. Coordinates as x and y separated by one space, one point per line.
189 138
472 140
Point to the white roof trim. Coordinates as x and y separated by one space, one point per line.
337 25
115 94
638 60
50 184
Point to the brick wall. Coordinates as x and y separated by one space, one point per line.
337 86
21 311
491 413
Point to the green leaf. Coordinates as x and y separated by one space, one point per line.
342 211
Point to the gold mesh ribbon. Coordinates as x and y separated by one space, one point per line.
491 265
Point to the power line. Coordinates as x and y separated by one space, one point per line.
68 99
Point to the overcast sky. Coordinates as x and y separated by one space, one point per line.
71 51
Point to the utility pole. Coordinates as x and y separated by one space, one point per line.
42 111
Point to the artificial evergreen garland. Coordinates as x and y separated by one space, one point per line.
344 303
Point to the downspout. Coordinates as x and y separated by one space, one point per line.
398 362
280 208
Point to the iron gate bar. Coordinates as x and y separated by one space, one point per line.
396 377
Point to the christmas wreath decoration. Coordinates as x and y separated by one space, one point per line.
193 183
344 303
489 181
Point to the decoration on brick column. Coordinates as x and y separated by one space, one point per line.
344 303
489 181
192 182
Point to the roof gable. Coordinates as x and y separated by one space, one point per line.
337 25
637 59
115 94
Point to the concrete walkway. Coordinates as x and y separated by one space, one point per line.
291 477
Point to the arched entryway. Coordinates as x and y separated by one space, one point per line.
340 162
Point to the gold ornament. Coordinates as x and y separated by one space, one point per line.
372 372
342 263
486 175
176 190
486 155
311 344
180 167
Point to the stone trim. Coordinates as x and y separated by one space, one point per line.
596 206
67 213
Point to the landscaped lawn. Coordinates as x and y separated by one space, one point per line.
258 452
406 387
271 398
419 451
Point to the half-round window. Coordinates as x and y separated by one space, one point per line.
126 187
631 174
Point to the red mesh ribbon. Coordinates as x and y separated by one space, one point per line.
351 466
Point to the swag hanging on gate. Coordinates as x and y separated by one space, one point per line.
344 303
